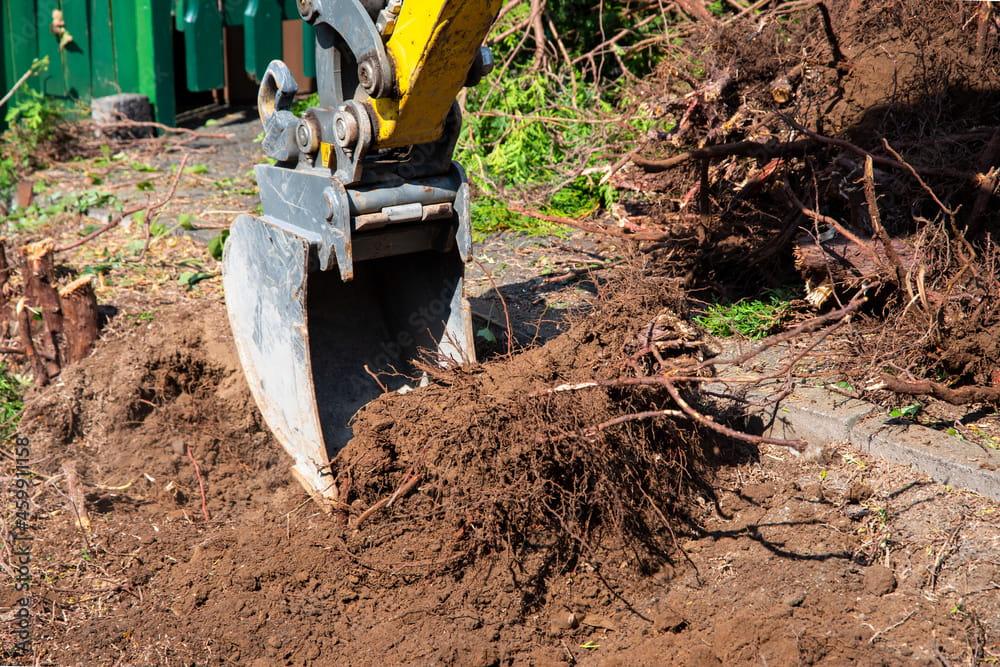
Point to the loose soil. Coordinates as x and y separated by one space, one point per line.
527 537
832 561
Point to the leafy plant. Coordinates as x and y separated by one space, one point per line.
31 122
12 388
217 244
530 126
299 106
191 278
749 318
907 411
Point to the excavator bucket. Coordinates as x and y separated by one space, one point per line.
312 344
356 265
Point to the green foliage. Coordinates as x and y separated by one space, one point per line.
299 106
749 318
528 128
77 203
191 278
582 197
490 216
487 335
12 388
185 221
907 411
217 244
31 122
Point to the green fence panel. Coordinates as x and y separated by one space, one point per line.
18 44
104 67
155 56
232 11
262 36
52 82
203 45
125 44
76 54
308 50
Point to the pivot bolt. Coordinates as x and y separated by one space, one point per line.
346 129
369 77
307 135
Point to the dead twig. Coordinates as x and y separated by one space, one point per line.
125 123
755 149
587 227
876 221
411 483
201 483
150 210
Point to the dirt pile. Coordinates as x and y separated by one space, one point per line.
780 564
512 468
853 144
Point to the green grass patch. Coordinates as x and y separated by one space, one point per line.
749 318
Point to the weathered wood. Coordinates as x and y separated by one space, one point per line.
79 309
843 265
24 333
41 293
74 496
5 272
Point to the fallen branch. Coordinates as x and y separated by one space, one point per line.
755 149
126 123
959 396
587 227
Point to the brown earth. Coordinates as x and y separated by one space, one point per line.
836 561
521 541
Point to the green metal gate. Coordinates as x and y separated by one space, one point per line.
128 45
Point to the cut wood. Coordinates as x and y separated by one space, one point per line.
4 279
40 291
24 333
74 497
79 308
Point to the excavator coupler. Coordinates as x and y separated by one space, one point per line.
356 265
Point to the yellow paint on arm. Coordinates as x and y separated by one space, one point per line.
433 48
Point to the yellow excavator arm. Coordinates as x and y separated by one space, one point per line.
433 47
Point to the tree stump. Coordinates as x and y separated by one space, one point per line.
40 291
106 111
79 309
